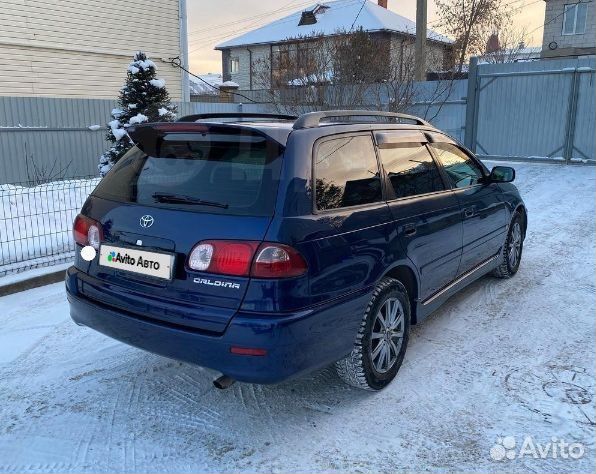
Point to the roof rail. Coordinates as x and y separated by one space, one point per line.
313 119
196 117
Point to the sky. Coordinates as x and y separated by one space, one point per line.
213 21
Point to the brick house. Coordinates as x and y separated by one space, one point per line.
569 28
290 38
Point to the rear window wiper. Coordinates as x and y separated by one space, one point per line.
183 199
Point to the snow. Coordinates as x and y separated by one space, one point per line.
104 168
136 66
146 64
117 113
163 111
230 84
502 358
11 278
341 15
139 118
18 125
159 83
197 87
119 133
94 128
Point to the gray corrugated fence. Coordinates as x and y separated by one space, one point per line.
539 109
443 104
49 139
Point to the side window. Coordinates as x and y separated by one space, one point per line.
346 173
462 171
411 169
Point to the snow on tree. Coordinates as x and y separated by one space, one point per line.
143 98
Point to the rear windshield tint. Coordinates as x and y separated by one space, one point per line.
233 171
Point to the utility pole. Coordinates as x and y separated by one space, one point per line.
420 60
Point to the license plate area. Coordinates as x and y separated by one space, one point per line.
138 261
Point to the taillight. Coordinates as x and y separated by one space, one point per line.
87 231
227 257
246 258
277 261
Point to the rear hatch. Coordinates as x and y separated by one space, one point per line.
182 184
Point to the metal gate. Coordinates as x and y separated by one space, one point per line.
542 109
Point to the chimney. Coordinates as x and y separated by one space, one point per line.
383 3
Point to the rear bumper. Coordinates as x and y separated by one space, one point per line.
295 342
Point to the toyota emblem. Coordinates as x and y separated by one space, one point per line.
146 221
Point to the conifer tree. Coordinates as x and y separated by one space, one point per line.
143 98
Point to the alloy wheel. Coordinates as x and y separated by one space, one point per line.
387 335
515 243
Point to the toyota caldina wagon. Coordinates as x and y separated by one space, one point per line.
266 246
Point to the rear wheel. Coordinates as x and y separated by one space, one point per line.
381 342
512 249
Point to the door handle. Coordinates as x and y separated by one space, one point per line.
469 211
410 230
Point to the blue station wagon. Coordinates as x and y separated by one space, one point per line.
266 246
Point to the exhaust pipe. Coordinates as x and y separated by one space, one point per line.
223 382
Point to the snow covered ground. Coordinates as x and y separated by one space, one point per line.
503 360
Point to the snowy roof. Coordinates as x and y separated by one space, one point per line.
198 87
332 17
527 53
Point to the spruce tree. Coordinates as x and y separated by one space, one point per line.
143 98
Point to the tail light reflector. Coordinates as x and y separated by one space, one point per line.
248 351
87 231
246 258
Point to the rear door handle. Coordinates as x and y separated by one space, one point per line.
410 230
469 211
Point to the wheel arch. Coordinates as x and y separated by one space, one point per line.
521 208
407 277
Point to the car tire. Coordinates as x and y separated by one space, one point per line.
382 339
512 249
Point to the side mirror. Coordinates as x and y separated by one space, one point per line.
502 174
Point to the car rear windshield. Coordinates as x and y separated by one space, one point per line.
218 170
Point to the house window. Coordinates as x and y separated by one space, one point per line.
293 63
574 19
234 65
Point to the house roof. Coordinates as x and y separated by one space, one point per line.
332 17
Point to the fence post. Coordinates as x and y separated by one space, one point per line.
571 113
471 105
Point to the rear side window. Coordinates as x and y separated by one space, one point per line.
460 168
411 169
346 173
224 170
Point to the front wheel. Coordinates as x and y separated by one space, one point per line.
512 249
381 342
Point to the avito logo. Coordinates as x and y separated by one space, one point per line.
128 260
